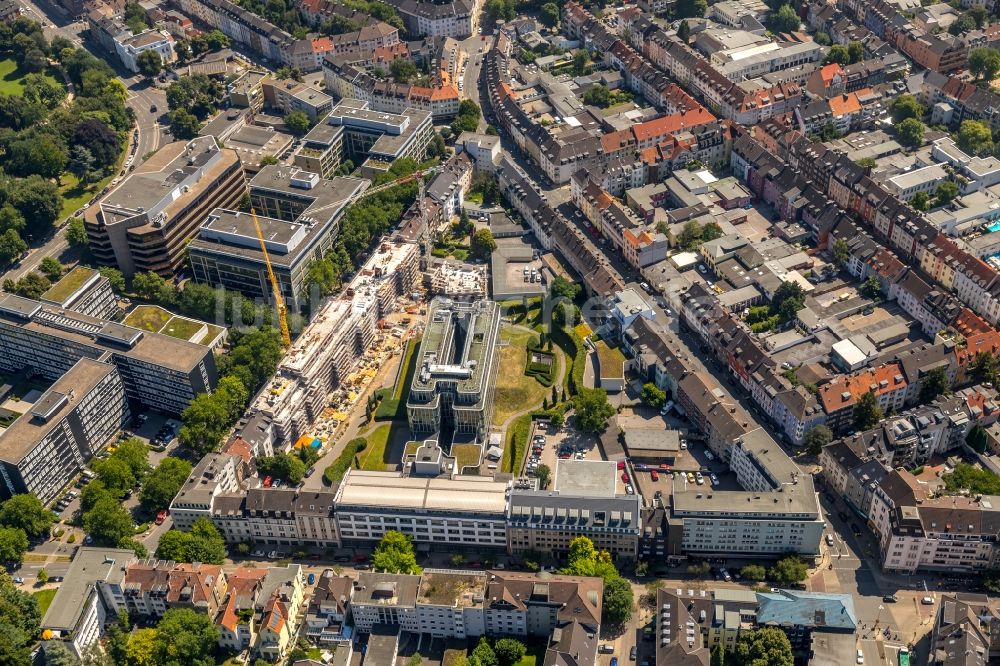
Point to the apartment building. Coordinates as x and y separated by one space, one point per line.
43 450
919 531
247 29
585 500
157 371
458 18
346 78
329 606
298 214
151 587
464 513
214 475
465 604
159 41
145 223
965 626
455 381
88 596
83 290
375 139
840 396
260 609
776 512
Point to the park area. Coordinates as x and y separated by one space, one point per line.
12 77
155 319
516 391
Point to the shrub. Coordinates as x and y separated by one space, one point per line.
336 471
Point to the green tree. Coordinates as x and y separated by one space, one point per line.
910 132
32 285
204 423
684 31
395 554
598 95
856 51
13 545
403 70
784 20
202 544
108 522
186 636
12 246
984 367
134 453
866 162
82 165
653 396
148 285
933 384
115 474
975 137
962 24
690 236
76 234
43 576
143 648
946 191
183 124
718 655
298 122
867 412
580 60
560 287
57 654
163 483
906 106
509 651
789 569
816 438
26 512
921 201
837 54
585 560
549 16
483 654
977 438
753 573
592 409
984 63
282 466
52 268
871 288
619 601
149 63
690 9
544 475
767 646
482 244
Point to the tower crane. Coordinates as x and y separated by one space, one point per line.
279 301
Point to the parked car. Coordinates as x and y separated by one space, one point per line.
161 515
927 601
268 481
632 654
311 578
890 599
654 476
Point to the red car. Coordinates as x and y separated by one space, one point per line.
621 464
161 515
625 477
654 476
268 481
664 466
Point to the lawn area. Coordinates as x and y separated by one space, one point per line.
582 329
7 417
148 317
516 391
393 405
11 77
75 193
373 457
465 455
44 598
181 328
69 283
212 334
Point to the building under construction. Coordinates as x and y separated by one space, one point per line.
330 348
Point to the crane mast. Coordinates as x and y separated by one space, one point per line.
279 301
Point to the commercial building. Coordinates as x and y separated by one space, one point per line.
454 385
776 512
157 371
42 450
298 214
288 96
87 597
322 150
584 501
159 41
375 139
461 513
83 290
146 222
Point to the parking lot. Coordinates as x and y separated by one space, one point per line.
558 443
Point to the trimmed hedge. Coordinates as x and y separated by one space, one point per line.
571 343
392 403
517 443
336 471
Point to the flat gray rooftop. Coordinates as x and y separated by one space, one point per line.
586 477
89 566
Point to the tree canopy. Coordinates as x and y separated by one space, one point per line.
395 554
202 544
767 646
592 409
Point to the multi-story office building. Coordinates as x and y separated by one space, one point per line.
584 501
83 290
298 214
322 150
42 450
455 381
776 512
146 222
287 96
215 475
461 513
89 595
157 371
377 139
